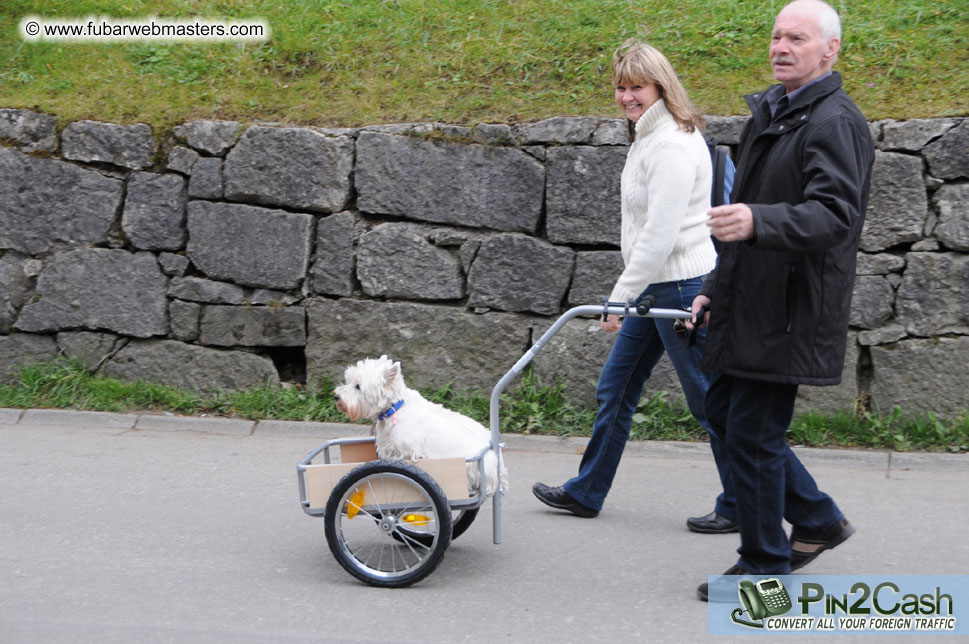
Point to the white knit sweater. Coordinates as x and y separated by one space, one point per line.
665 198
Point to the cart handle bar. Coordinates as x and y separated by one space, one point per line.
643 309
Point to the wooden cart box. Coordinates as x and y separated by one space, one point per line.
450 473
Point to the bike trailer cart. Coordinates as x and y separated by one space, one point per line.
389 522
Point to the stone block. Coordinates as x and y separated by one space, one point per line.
206 179
99 290
14 288
436 345
914 134
292 167
252 326
947 156
933 298
611 132
191 367
184 317
871 301
267 297
397 260
197 289
882 335
249 245
582 194
898 205
31 131
89 348
182 160
519 273
595 274
560 130
45 202
333 267
493 134
726 129
128 146
22 349
952 203
172 264
154 211
211 137
478 186
922 375
879 264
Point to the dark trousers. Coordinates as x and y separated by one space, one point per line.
751 418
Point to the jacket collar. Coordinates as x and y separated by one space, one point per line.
797 112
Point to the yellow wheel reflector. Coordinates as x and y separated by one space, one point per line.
416 519
354 503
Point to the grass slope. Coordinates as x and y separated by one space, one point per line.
349 63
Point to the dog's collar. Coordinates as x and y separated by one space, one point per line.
390 412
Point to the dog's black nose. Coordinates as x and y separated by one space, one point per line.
336 396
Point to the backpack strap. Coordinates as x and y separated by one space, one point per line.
719 174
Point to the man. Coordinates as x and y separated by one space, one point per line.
780 296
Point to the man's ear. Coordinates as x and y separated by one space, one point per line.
832 49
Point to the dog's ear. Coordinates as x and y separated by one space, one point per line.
390 375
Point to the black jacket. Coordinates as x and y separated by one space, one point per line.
780 302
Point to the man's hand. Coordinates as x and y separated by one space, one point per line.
699 302
610 323
732 222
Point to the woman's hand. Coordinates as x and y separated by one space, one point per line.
610 323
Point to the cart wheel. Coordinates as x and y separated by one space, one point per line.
388 523
461 520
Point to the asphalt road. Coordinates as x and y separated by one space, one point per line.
153 529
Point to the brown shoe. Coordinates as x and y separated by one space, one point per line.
805 547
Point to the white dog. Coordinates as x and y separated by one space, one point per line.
408 426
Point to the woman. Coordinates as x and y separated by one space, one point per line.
666 249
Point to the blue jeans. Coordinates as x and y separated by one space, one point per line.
751 418
638 348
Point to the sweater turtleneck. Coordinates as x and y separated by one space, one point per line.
656 116
665 191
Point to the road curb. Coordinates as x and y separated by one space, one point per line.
833 457
69 417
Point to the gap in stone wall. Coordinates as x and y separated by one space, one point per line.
290 362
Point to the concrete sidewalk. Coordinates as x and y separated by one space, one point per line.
150 528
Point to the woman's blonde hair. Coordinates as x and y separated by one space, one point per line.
637 63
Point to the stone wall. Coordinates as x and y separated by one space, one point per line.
228 256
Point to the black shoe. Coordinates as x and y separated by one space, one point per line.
557 497
712 523
703 590
805 547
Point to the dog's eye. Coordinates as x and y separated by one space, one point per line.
358 387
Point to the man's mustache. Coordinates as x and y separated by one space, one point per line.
783 60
